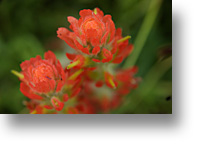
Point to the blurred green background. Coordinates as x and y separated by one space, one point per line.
28 28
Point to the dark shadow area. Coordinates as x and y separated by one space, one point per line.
70 121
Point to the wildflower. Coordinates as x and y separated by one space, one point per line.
41 76
94 34
93 28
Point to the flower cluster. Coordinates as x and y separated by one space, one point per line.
94 37
89 83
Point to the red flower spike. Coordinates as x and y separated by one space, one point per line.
96 31
91 27
57 104
41 76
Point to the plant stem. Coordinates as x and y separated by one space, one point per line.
144 32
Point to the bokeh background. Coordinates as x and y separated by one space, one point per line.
28 28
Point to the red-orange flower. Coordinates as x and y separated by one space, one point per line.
94 34
42 76
90 33
92 27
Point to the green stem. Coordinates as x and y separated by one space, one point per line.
144 32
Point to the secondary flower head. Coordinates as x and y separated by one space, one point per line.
94 34
126 80
41 76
